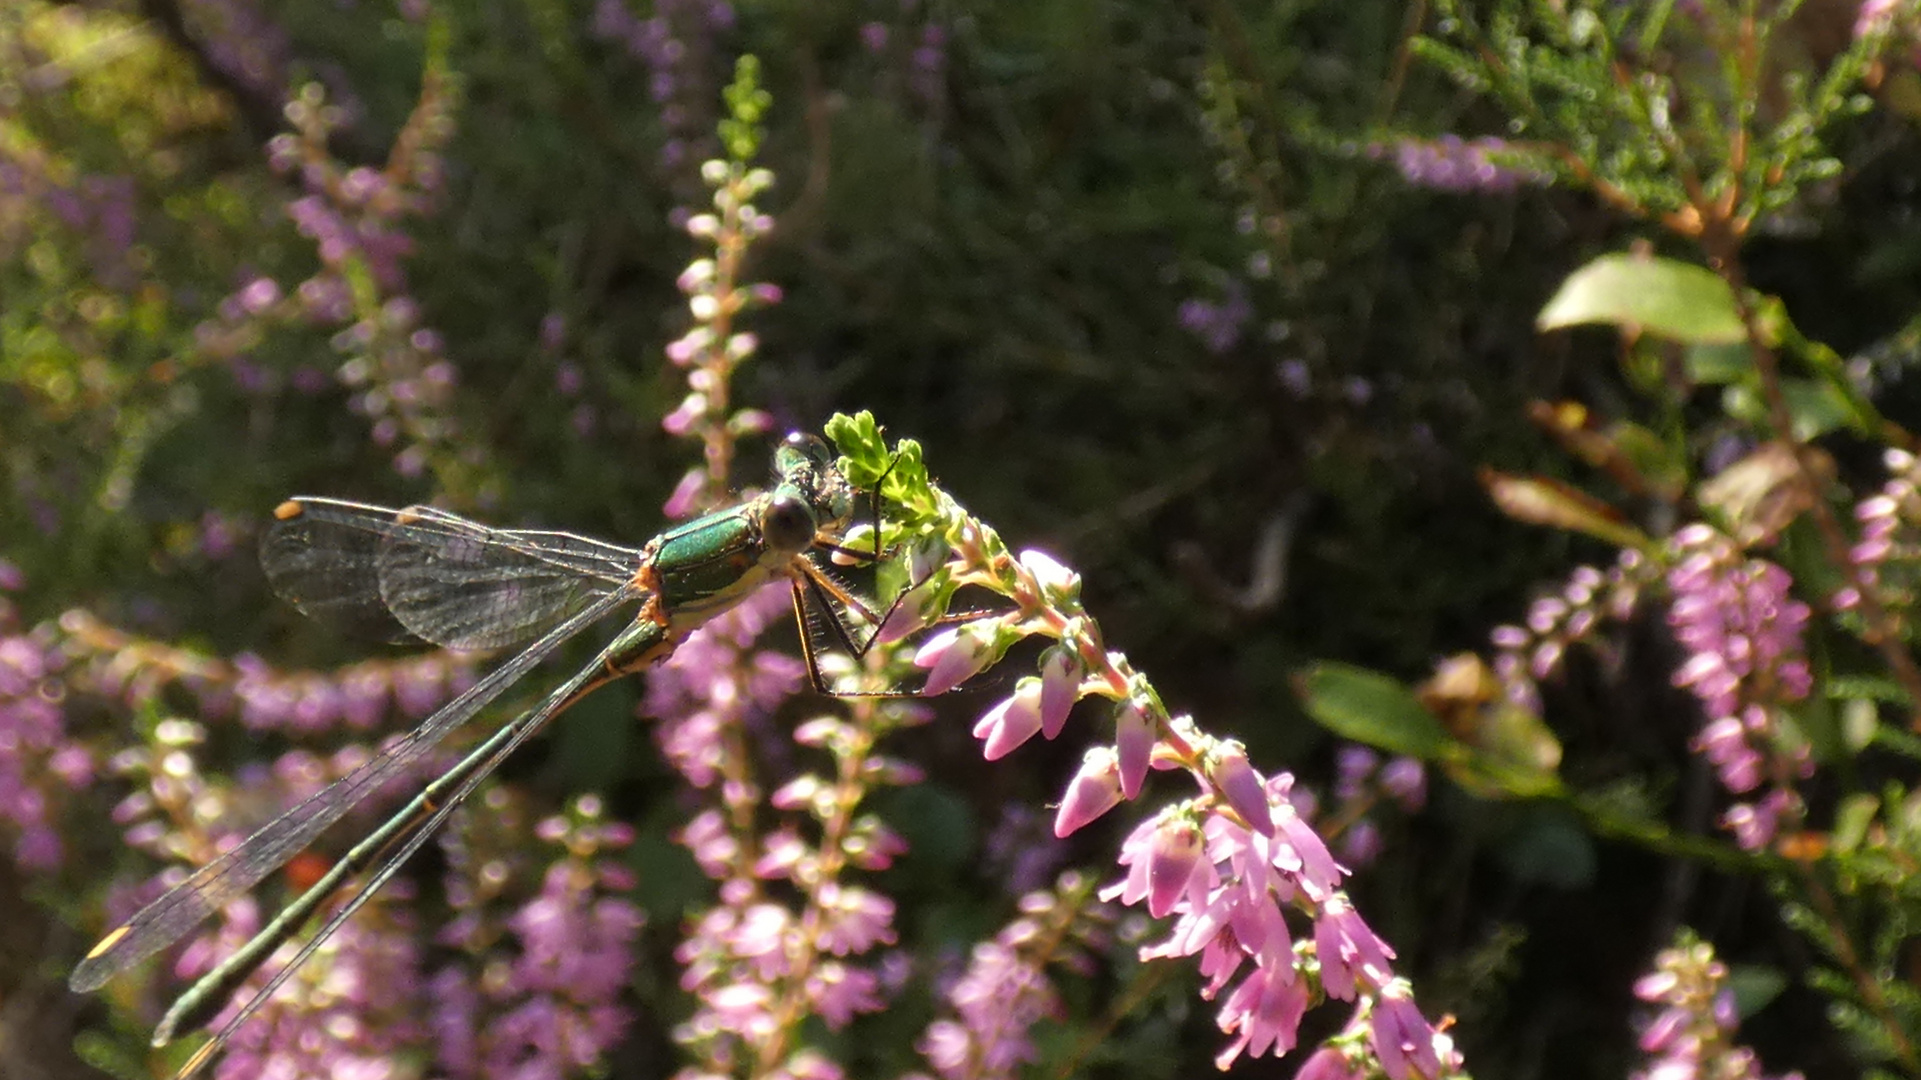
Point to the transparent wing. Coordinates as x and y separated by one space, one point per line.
214 885
423 573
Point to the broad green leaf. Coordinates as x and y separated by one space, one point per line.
1371 708
1658 296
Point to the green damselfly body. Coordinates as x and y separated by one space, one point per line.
428 575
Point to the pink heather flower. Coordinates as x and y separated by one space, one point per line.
998 1001
839 993
745 1008
1173 860
1266 1010
1348 950
1058 584
1693 1034
1298 850
713 846
1405 778
1163 857
951 657
1330 1063
1242 786
854 919
682 502
1095 790
1012 722
1061 673
1133 747
1402 1038
1754 824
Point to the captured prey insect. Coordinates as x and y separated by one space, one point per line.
425 574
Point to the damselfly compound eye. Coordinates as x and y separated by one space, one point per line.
788 524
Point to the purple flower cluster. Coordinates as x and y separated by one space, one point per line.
97 209
39 764
242 41
758 967
1533 651
401 379
674 43
717 684
1450 163
1693 1034
554 1007
1228 885
1005 990
1362 782
1219 325
1742 630
919 56
1228 864
1886 557
346 1012
357 697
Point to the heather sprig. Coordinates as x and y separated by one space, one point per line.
1006 988
1747 664
1231 863
540 990
1693 1033
1587 601
396 366
717 296
760 966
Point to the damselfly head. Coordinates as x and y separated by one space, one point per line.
808 473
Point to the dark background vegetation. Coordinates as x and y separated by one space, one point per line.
991 250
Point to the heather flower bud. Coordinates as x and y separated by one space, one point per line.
1095 790
1012 722
954 656
1133 747
1058 584
1228 770
1060 687
1173 858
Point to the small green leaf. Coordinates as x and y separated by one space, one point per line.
1716 364
1371 708
1754 986
1851 821
1659 296
1817 408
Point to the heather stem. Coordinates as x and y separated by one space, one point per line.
1881 630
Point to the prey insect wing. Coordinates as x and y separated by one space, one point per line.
214 885
426 574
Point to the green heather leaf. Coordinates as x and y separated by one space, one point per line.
1754 987
1716 364
1851 821
1371 708
1659 296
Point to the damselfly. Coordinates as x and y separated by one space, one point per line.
430 575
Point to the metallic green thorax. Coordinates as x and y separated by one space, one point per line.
711 562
